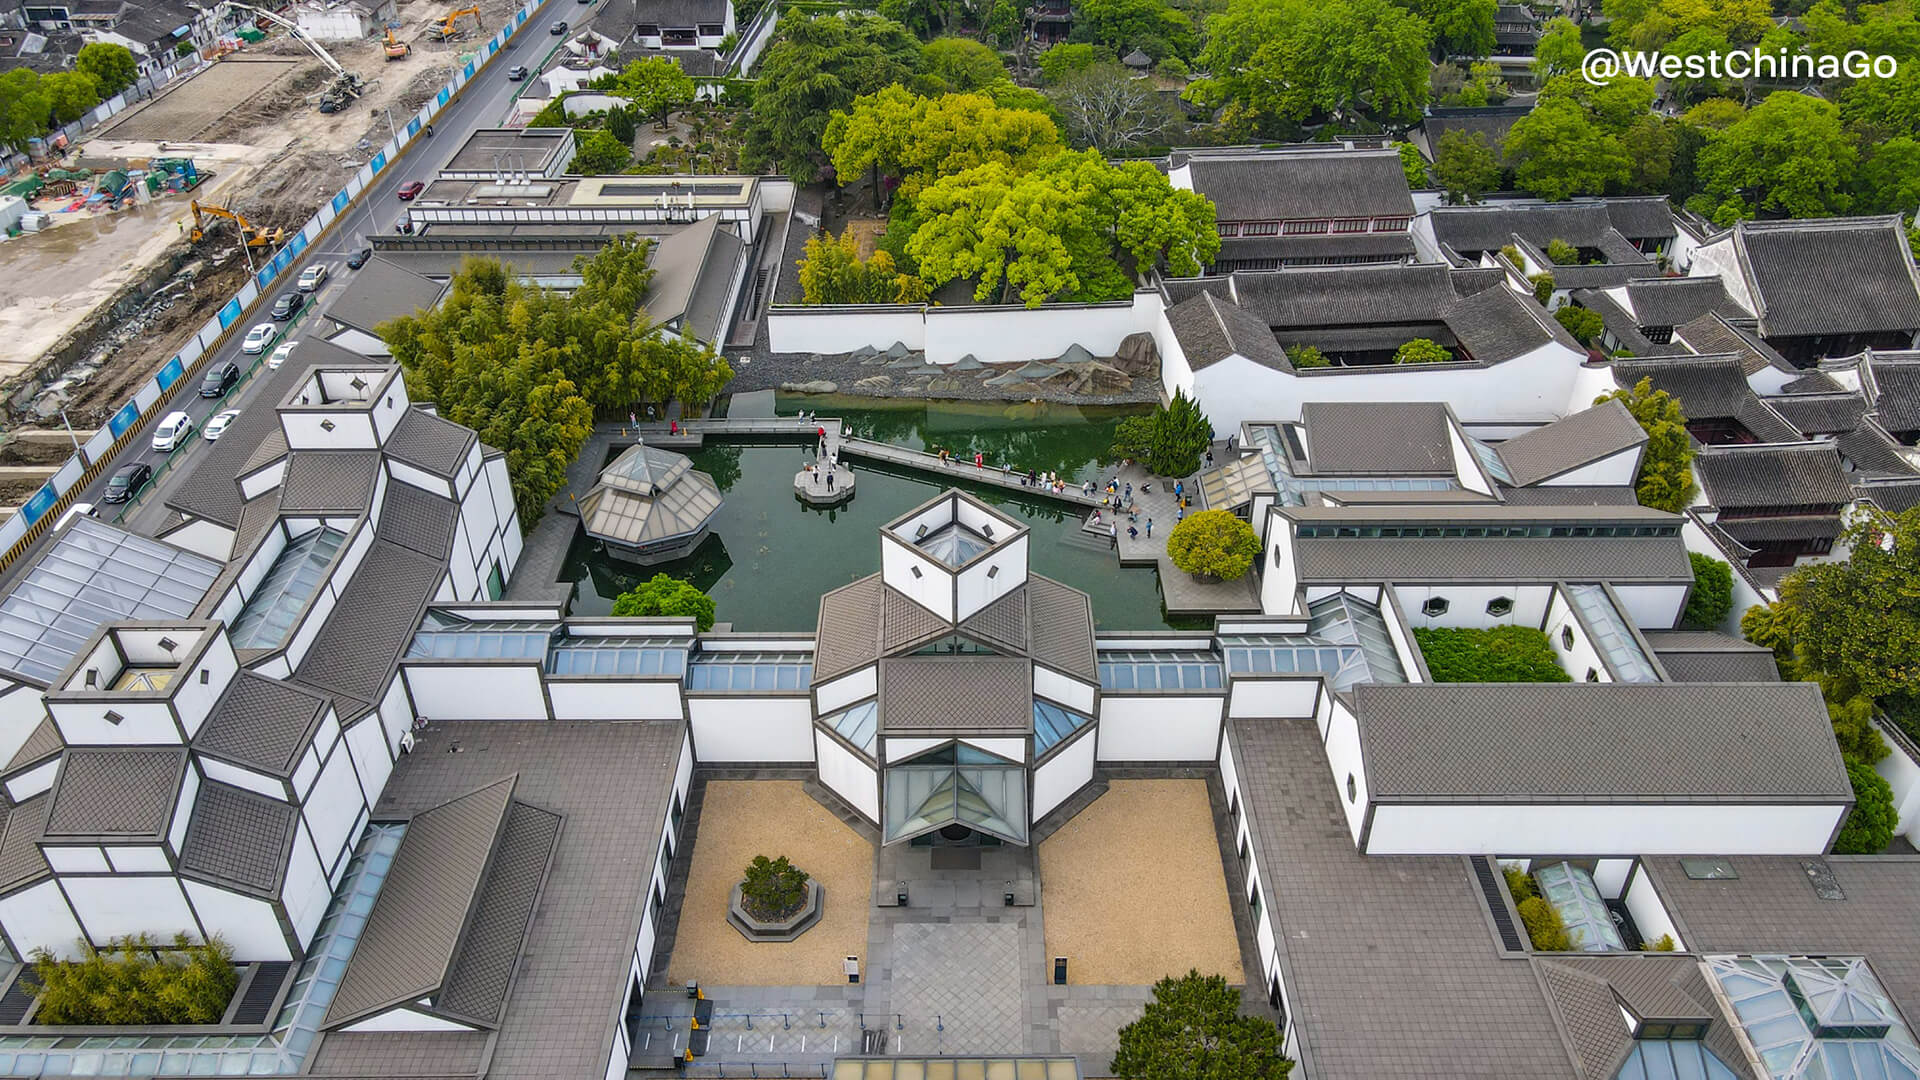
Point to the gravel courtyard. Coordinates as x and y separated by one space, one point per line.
1134 891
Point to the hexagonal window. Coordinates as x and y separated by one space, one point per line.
1566 637
1435 605
1500 605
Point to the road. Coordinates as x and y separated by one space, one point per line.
482 102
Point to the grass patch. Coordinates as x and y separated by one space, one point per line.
1502 654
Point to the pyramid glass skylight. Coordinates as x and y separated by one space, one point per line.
1818 1017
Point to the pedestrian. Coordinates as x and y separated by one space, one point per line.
1096 516
979 460
1149 528
1006 469
1113 536
1129 491
823 433
1031 479
1179 488
1231 439
1179 515
1133 532
829 480
1209 459
674 428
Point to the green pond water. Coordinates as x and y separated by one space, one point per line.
769 556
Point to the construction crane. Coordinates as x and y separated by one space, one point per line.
252 234
346 85
396 49
445 28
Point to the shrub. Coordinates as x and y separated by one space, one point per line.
1213 542
1664 944
1171 68
1501 654
1180 435
773 889
1544 927
133 982
1193 1030
1869 828
1422 351
1513 256
1904 710
1712 595
1666 466
1584 324
1542 287
668 596
1519 883
1561 253
1307 356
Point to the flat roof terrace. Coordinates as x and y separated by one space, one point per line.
710 193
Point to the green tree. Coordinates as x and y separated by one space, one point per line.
1413 164
1543 286
71 94
135 980
1307 356
921 140
1559 51
1460 27
1193 1030
1651 24
1712 595
1888 182
1545 929
817 66
961 64
112 66
1466 166
1652 145
1666 465
1561 253
1789 155
24 107
1132 439
1422 351
657 86
1277 63
1181 434
1558 151
832 272
1869 827
1213 543
1858 621
621 125
599 153
1065 59
773 889
1124 25
1584 324
926 19
666 597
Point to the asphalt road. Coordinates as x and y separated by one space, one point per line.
482 102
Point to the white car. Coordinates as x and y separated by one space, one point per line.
259 338
280 355
312 277
80 509
218 424
172 432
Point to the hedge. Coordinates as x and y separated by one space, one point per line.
1501 654
1544 927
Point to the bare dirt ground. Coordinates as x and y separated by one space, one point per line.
277 159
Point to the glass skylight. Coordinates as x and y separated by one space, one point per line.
1673 1059
1160 669
1573 894
858 725
1347 642
509 639
750 671
94 574
1818 1018
1490 460
953 544
1051 724
1291 490
1612 635
618 656
1345 618
956 784
283 594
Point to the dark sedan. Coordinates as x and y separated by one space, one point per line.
359 258
288 305
219 379
127 482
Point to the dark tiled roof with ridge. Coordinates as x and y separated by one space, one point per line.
1897 393
976 693
332 480
1570 442
428 442
1377 438
476 986
848 630
20 858
238 837
1674 301
1211 328
1061 626
375 618
418 520
1588 993
1277 185
1707 656
116 792
1003 623
1830 276
262 722
1573 742
1766 475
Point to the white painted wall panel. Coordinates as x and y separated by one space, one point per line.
844 691
1159 728
1658 607
597 700
145 859
305 891
481 692
405 1020
1619 829
1069 770
1467 604
1648 911
850 777
333 807
1344 761
38 918
1056 687
247 924
370 760
76 860
111 907
243 778
33 781
1272 697
748 729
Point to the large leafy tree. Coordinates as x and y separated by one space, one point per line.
817 67
666 596
1213 543
71 93
112 66
656 86
832 272
1104 107
1888 182
1712 595
1460 27
1560 150
24 107
1666 465
1466 166
1858 621
962 65
1559 51
1277 63
1151 26
598 153
1066 59
1788 155
1193 1030
1870 824
1651 24
919 140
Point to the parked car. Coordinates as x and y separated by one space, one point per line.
280 355
359 258
125 484
259 338
220 379
558 28
172 432
313 277
218 425
289 305
76 510
409 189
516 74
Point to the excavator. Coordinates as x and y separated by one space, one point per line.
396 49
254 235
445 29
346 85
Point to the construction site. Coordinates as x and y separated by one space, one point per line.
133 237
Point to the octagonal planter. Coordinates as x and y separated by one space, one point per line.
782 930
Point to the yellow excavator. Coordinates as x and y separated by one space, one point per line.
445 29
204 217
396 49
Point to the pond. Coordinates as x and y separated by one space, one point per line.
770 557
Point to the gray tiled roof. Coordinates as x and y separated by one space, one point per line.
428 442
43 743
372 623
1373 246
476 986
1714 335
1003 623
388 1055
1897 393
1708 387
1569 495
1317 183
1893 498
1760 476
331 480
238 837
1821 414
210 489
380 291
1584 223
1559 742
418 520
1588 993
1211 328
976 693
1490 123
1062 626
116 792
1873 452
1706 656
1570 442
1813 382
1675 301
1612 559
904 624
1830 276
561 1015
262 722
1391 967
20 858
416 923
849 628
1393 438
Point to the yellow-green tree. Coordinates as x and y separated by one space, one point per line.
832 272
1214 543
919 140
1666 466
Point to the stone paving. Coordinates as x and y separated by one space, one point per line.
1181 591
965 977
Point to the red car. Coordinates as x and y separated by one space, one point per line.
411 188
